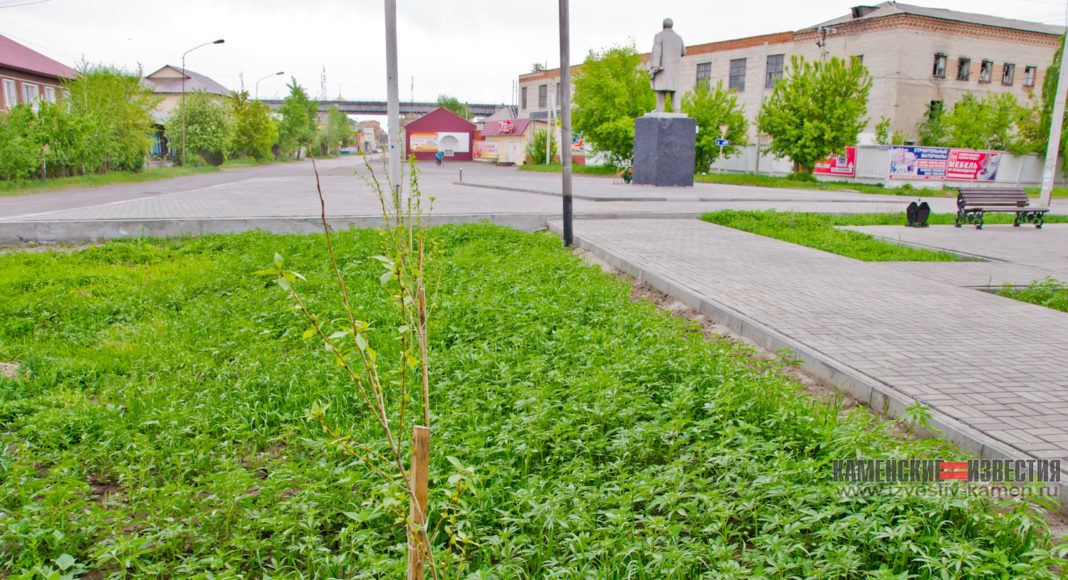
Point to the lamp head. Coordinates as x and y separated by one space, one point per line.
220 41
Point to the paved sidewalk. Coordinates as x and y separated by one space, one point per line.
994 370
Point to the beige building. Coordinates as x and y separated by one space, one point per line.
918 58
167 83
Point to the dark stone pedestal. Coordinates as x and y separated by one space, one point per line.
664 149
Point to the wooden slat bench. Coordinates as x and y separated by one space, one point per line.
973 203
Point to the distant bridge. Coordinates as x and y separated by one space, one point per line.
379 107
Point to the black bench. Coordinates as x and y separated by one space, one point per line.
973 203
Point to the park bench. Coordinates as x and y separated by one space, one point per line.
973 203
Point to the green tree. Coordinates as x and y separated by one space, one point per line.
932 131
115 110
21 147
817 110
254 131
207 127
883 135
338 131
453 104
990 123
711 108
1039 134
299 120
536 147
611 91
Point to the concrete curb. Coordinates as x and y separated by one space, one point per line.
875 394
558 194
13 233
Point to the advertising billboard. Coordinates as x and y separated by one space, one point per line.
841 165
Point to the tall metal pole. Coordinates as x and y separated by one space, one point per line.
393 100
565 118
1054 145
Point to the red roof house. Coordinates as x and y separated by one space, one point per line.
440 129
27 75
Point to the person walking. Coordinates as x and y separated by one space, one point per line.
438 157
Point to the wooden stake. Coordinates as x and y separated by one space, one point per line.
418 543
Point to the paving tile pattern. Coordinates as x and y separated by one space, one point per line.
998 365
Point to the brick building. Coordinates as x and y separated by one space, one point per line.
439 130
27 75
918 58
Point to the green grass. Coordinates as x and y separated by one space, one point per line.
583 169
1057 191
819 231
157 429
1049 292
25 187
785 182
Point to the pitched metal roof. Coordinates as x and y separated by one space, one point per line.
501 128
194 81
891 8
16 56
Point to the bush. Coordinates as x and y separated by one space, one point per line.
536 147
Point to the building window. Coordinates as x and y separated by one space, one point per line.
934 110
1029 76
1007 72
939 71
523 98
558 94
986 71
704 75
737 78
50 94
964 68
543 96
29 92
774 73
11 95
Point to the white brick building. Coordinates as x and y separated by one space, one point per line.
917 57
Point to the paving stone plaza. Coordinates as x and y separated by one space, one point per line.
993 371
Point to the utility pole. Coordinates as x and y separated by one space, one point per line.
549 124
1054 145
392 100
565 118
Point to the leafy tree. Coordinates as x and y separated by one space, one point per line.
21 149
883 136
453 104
254 130
990 123
116 110
65 138
536 147
1040 133
611 91
932 131
711 108
207 127
338 129
299 120
817 110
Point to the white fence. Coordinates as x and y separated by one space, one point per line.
873 166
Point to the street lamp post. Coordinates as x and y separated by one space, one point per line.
220 41
279 73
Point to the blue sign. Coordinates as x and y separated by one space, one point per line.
723 142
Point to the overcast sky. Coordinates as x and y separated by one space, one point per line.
470 49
